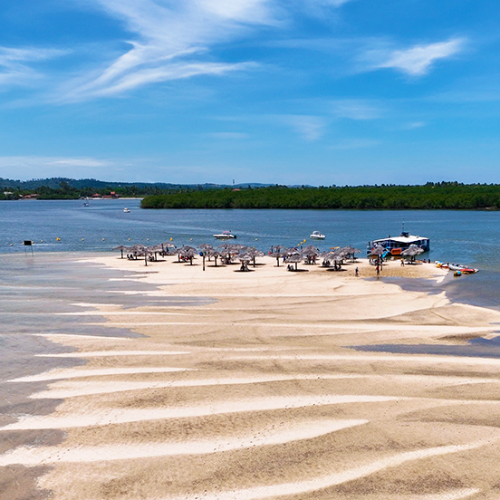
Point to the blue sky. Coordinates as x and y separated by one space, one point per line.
316 92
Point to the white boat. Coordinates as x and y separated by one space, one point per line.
225 235
126 211
316 235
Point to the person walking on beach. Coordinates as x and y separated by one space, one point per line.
356 272
402 263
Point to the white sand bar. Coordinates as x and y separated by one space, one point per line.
294 431
119 416
63 390
336 478
82 373
102 354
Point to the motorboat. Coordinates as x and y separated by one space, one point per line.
316 235
225 235
126 211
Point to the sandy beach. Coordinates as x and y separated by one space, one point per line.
256 392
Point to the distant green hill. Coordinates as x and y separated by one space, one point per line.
65 188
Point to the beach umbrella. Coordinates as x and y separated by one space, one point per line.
294 258
351 251
412 251
212 253
121 248
277 251
253 253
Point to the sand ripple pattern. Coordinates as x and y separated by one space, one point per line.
257 395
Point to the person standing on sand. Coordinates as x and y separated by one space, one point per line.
356 272
402 263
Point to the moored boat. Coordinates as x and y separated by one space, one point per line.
126 211
457 268
397 244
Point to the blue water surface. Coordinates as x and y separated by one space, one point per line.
468 237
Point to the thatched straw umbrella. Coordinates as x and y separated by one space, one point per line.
350 252
121 248
310 253
212 253
156 249
228 251
137 250
187 253
168 248
411 252
294 258
205 251
277 251
253 253
378 251
245 259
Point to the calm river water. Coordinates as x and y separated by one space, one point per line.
471 238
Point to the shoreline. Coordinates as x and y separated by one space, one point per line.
206 400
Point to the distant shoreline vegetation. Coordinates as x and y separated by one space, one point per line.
431 196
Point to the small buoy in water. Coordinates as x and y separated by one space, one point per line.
171 239
255 239
191 239
147 239
83 239
58 239
103 239
129 239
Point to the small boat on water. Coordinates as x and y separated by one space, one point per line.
225 235
316 235
457 268
85 204
126 211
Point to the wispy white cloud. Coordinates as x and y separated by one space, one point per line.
171 40
27 162
356 109
417 60
310 128
16 64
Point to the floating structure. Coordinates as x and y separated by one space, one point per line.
126 211
395 245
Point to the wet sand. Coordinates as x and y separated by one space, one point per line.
253 391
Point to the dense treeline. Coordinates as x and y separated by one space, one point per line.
59 188
444 195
